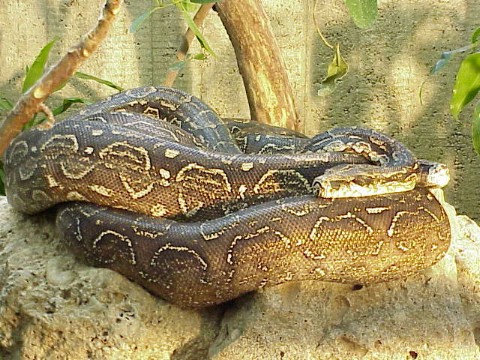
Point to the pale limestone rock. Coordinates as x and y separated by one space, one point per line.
52 306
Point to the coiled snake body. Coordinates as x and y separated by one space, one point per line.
183 212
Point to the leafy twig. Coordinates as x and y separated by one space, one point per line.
181 5
186 42
338 68
30 103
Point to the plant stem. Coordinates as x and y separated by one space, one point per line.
186 42
31 101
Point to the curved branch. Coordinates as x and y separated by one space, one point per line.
269 93
31 101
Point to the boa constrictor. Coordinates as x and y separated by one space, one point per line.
177 207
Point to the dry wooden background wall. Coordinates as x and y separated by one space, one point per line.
388 63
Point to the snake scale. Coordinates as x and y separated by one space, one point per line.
177 207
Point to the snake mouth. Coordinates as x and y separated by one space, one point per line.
363 180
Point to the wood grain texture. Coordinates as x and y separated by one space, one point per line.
266 81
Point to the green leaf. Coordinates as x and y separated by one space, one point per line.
5 104
467 84
363 12
188 6
476 35
67 103
34 121
198 34
476 129
35 71
84 76
141 19
337 69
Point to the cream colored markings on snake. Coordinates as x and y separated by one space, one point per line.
247 166
316 235
76 170
129 254
59 145
407 244
266 231
164 173
136 159
181 249
210 232
158 210
167 105
52 182
197 183
273 148
171 153
154 112
275 180
378 142
40 196
137 228
20 151
75 196
346 221
102 190
415 215
242 189
306 209
377 210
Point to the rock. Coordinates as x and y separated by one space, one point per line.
53 306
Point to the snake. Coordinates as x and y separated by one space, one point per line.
152 184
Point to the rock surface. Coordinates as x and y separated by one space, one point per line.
54 307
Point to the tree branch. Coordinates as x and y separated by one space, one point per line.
269 93
31 102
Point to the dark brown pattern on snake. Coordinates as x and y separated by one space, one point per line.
286 233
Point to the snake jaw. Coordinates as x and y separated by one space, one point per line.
326 189
361 181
